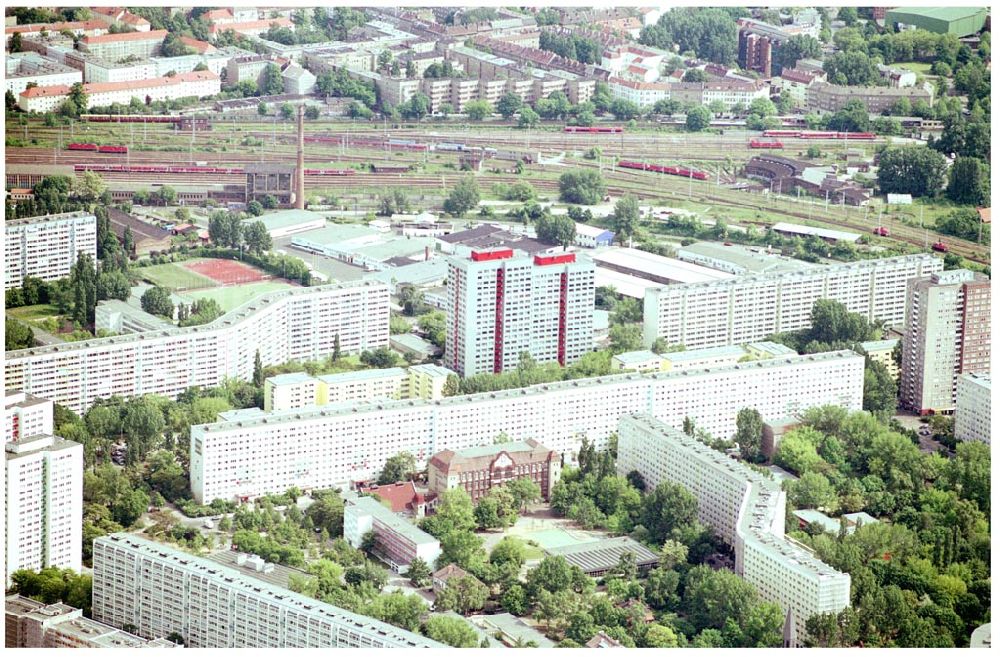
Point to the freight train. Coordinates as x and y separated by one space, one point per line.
595 129
759 143
94 148
143 168
819 134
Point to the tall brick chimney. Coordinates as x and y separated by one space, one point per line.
300 169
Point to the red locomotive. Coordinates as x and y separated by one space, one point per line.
659 168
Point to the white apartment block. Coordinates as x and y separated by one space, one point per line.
326 447
749 308
32 624
102 70
397 540
296 324
101 94
643 94
127 44
158 590
43 502
23 68
298 390
972 408
47 247
500 306
745 509
26 415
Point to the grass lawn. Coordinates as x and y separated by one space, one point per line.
922 68
33 313
175 277
235 295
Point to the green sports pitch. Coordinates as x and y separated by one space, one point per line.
176 277
233 296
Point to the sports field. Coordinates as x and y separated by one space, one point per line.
176 277
234 295
552 538
226 272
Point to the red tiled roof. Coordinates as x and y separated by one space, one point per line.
193 76
984 215
200 46
797 75
132 19
449 571
399 495
52 90
56 27
152 35
216 14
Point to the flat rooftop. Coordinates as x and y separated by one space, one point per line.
741 256
641 262
782 227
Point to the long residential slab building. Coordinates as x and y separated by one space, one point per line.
750 308
295 324
745 509
156 590
325 447
47 247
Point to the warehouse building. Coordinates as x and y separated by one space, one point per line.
325 447
597 558
288 222
655 268
960 21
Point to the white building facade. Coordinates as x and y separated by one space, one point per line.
972 408
300 324
500 306
397 540
744 508
322 448
26 415
158 590
750 308
43 503
47 247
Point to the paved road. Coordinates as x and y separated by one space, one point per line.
44 338
335 269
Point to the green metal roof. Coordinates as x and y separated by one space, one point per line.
960 21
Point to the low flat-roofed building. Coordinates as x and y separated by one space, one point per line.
774 431
289 222
768 349
656 268
121 317
736 259
397 540
596 558
703 358
796 230
592 236
814 517
478 469
639 361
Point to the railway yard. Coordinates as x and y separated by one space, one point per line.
353 161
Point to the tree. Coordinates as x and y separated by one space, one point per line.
667 508
172 46
464 196
83 283
509 105
271 83
463 594
113 285
625 337
256 236
17 335
10 100
800 46
698 119
851 68
626 217
559 229
915 170
713 597
660 636
417 107
15 42
454 514
749 433
477 110
880 391
258 370
454 632
852 117
156 301
968 181
514 600
525 492
397 468
287 111
581 187
710 33
419 573
312 112
624 110
964 223
695 75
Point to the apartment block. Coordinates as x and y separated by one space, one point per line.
126 44
326 447
158 590
972 408
833 97
298 390
24 68
749 308
397 540
744 508
101 94
479 469
43 502
946 334
500 306
880 351
47 247
26 415
33 624
300 324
